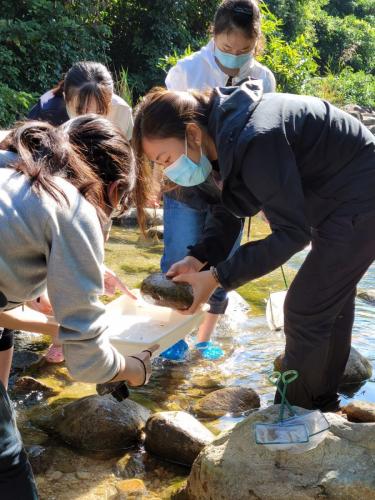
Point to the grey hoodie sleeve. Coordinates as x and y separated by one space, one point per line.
74 281
270 172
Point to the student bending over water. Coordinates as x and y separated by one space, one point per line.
311 168
58 189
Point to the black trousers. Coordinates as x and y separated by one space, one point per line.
16 478
319 309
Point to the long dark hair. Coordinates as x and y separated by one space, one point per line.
87 81
88 151
243 15
164 114
107 151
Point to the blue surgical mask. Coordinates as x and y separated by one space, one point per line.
187 173
231 61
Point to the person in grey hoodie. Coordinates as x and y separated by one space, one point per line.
58 189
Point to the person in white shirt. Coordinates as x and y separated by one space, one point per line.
87 88
227 59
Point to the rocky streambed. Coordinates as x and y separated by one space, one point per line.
86 447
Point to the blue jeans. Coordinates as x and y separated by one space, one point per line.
183 226
16 477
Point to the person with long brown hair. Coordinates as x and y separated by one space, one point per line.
311 168
58 189
87 87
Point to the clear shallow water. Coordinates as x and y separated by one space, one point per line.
250 352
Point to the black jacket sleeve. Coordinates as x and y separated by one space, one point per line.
219 236
270 172
35 112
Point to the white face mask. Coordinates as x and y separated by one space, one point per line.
187 173
231 61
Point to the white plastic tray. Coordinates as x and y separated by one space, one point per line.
145 325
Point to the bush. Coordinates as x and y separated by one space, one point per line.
293 14
41 39
292 63
145 31
345 41
13 105
348 87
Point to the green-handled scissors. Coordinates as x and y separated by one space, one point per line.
286 378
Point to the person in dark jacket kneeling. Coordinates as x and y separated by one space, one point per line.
311 168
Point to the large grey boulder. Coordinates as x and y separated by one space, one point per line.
99 423
234 467
176 436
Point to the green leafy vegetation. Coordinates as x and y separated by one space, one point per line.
322 47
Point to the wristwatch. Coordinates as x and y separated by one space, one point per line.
215 275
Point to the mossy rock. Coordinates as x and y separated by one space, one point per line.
157 289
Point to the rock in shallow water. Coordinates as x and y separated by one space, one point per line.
132 487
157 289
233 400
176 436
357 370
155 232
234 467
367 296
39 457
360 411
99 423
23 359
24 385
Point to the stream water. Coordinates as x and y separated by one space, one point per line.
249 355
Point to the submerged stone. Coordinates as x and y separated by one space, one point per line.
367 296
100 423
131 487
25 385
233 400
176 436
129 466
39 457
155 232
157 289
360 411
208 381
24 359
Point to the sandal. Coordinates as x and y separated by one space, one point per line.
54 354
